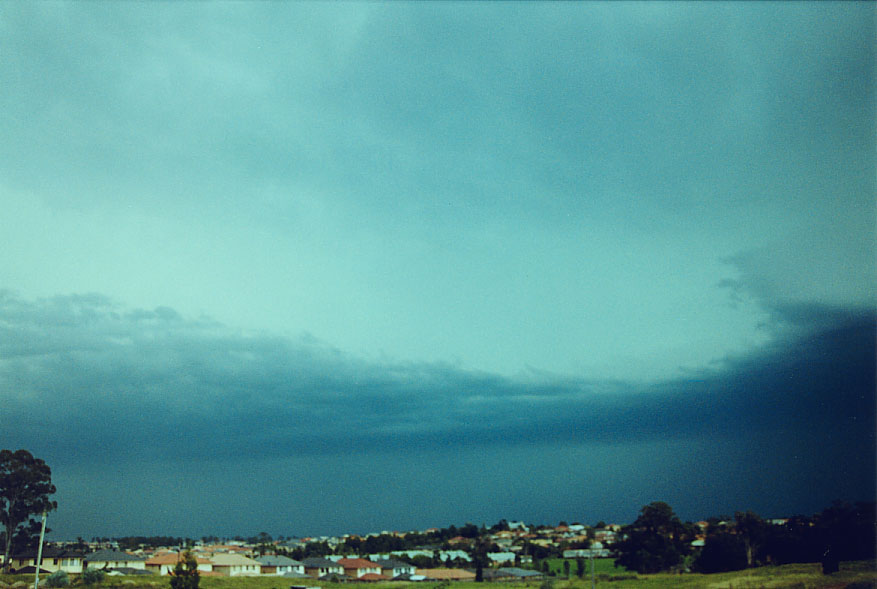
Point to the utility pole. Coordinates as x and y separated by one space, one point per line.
594 547
36 580
593 581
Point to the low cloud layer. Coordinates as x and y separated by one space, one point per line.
86 380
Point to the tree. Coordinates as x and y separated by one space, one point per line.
469 530
722 552
479 555
752 530
846 532
656 541
26 537
25 486
185 574
264 543
421 561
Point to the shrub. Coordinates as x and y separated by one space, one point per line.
93 576
57 579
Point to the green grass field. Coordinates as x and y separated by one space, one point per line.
793 576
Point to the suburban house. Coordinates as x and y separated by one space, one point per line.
54 559
235 565
280 565
444 555
596 550
395 568
447 574
358 567
511 574
319 567
114 559
497 558
519 526
164 563
216 548
460 540
605 535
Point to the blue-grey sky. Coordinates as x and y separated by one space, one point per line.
314 268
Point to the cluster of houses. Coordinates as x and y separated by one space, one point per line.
233 564
74 561
238 559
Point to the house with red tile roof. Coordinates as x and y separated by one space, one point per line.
164 562
357 567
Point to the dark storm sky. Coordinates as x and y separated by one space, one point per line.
318 268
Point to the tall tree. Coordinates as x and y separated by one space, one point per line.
479 555
752 529
656 541
25 486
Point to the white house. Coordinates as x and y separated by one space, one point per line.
280 565
113 559
318 567
235 565
358 567
54 559
394 568
501 557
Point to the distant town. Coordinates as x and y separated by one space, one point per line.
508 550
432 554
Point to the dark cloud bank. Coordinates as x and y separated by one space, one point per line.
89 385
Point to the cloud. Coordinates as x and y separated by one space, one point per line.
153 407
94 381
831 263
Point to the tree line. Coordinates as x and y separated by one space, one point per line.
658 541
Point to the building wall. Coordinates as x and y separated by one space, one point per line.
68 565
238 570
114 564
363 571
